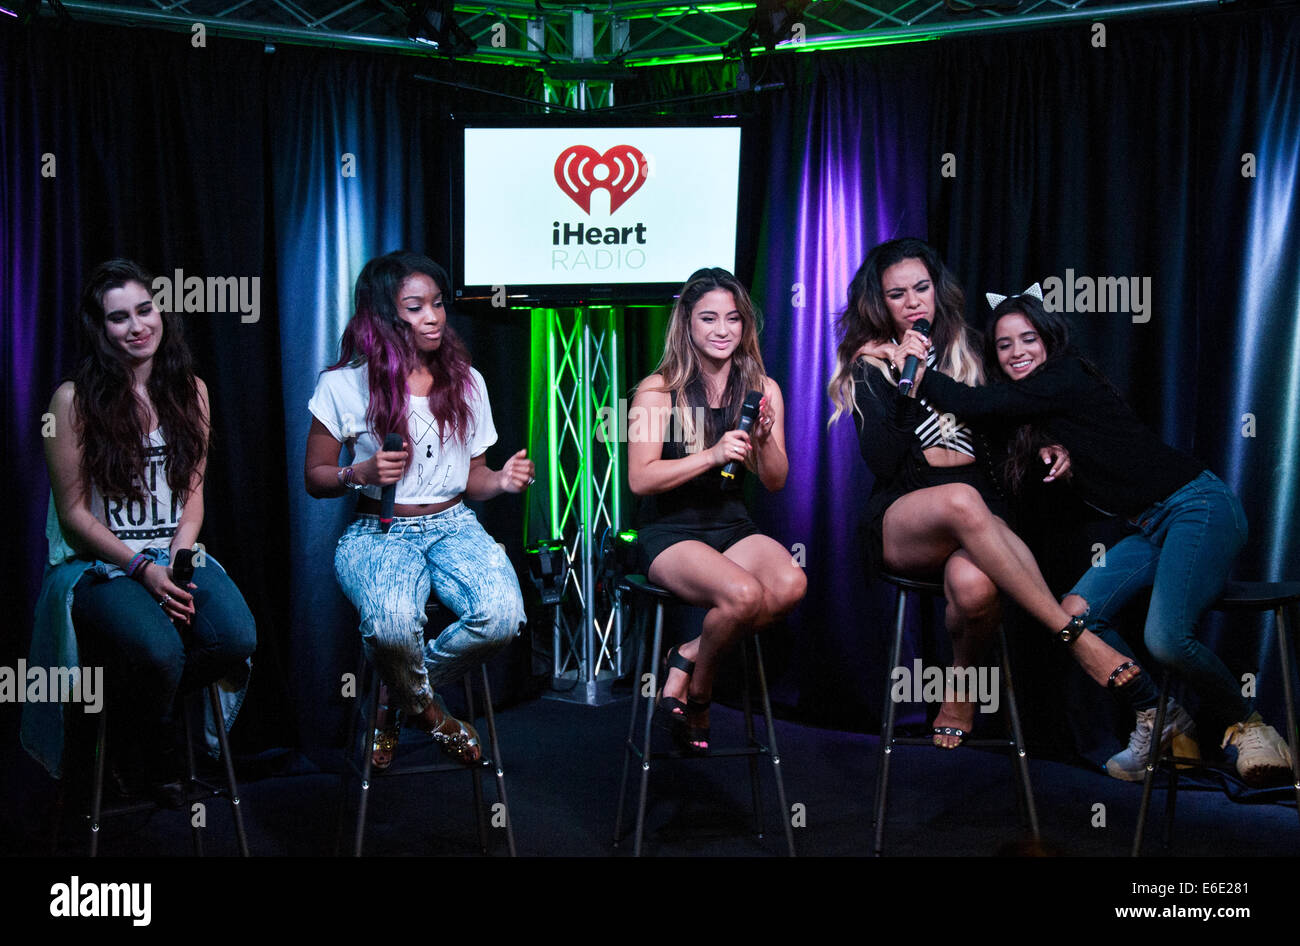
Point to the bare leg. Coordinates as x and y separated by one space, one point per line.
750 585
924 527
972 618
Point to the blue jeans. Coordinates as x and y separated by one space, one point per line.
389 577
1183 552
147 660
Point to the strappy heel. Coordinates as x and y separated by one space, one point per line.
672 711
1069 634
691 737
455 737
383 748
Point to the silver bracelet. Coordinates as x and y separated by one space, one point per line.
345 475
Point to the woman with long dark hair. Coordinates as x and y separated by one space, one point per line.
695 534
127 461
934 508
1189 525
403 370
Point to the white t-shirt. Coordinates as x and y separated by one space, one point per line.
143 523
439 465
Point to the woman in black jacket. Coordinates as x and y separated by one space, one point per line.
1189 525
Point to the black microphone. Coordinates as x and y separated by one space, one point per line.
748 414
391 442
183 568
909 366
183 572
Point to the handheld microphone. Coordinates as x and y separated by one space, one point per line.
183 574
909 366
748 414
391 443
183 568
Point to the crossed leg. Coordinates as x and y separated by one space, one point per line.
923 528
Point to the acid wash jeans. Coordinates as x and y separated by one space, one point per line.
389 577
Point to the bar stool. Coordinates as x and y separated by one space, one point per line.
194 788
640 587
1015 742
1238 596
364 769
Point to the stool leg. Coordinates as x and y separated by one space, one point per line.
1017 734
496 759
1171 800
1153 759
367 760
628 744
476 773
888 717
1288 695
214 700
1292 736
97 788
748 706
191 776
349 747
784 808
649 719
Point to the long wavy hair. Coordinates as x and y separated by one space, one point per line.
867 318
680 365
378 337
1054 332
110 416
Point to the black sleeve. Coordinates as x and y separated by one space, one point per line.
887 422
1057 387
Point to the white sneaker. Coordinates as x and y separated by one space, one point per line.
1179 732
1263 756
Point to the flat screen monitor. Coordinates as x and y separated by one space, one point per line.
572 212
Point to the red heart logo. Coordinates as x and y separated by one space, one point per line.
580 169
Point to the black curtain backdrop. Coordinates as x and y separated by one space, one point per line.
1127 160
229 161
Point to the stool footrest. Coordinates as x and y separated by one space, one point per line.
966 743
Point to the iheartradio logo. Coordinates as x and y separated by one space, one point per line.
580 170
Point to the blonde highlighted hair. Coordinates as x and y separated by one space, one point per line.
680 366
867 319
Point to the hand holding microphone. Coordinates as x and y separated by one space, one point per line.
915 345
392 444
177 600
748 415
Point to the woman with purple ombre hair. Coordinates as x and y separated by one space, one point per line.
402 370
695 536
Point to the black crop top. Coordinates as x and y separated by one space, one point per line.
707 500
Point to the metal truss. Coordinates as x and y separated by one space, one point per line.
617 32
585 462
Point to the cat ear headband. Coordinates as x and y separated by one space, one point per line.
995 300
